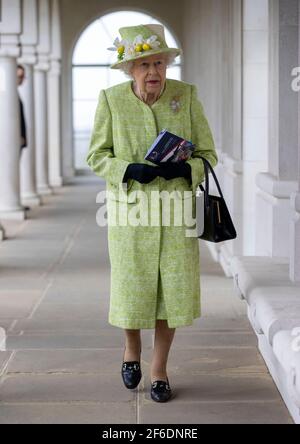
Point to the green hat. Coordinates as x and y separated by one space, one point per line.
141 41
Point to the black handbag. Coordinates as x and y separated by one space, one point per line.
218 225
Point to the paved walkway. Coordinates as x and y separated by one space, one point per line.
63 359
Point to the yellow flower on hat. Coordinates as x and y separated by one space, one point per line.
139 47
142 44
146 47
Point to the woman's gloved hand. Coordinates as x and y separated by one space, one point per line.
172 170
141 172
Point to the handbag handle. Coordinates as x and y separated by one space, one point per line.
207 166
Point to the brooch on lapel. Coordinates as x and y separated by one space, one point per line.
175 104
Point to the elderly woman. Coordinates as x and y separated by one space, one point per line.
155 273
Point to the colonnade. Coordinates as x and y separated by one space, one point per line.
30 36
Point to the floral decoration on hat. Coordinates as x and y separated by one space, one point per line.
140 41
119 46
138 46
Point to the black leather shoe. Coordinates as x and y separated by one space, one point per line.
161 391
131 374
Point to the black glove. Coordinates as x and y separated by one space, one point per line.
141 172
172 170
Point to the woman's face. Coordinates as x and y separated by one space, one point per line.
150 73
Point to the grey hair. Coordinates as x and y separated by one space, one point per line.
127 67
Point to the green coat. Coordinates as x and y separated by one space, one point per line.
155 270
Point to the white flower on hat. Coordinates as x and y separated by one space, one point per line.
138 40
153 42
117 44
129 50
140 44
120 46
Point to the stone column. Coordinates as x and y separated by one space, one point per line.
275 187
54 104
254 117
10 137
40 99
41 128
28 59
295 200
29 193
227 93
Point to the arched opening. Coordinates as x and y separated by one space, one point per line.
91 72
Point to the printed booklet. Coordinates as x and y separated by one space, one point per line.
169 148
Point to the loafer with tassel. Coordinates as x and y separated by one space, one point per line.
161 391
131 374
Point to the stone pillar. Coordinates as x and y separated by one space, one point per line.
28 59
54 104
40 99
275 187
254 115
227 92
295 200
29 193
10 137
41 128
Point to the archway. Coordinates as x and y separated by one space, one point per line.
91 73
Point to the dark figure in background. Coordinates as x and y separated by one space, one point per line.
23 142
21 77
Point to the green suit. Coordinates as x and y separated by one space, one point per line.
155 270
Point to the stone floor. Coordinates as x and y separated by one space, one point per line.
63 359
